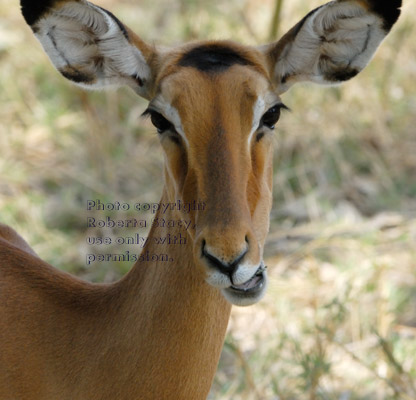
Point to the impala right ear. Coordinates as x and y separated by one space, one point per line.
333 43
89 45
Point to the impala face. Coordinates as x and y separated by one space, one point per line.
215 111
215 105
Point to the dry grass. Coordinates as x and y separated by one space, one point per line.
339 321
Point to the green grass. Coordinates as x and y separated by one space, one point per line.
339 319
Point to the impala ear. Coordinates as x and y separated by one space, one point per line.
332 43
90 46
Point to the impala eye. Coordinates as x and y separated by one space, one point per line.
159 121
271 116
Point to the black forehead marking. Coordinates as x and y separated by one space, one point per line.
212 58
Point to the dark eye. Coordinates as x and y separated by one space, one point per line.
271 116
160 122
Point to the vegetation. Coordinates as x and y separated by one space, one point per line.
339 319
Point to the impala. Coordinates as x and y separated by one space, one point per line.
158 332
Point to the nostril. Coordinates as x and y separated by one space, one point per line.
246 239
224 267
214 261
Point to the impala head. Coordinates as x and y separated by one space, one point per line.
215 105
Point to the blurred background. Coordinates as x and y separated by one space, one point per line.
339 319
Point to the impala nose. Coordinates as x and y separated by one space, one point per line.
227 268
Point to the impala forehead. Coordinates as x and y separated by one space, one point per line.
234 100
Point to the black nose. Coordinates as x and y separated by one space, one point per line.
224 267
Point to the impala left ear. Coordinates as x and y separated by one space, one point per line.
333 43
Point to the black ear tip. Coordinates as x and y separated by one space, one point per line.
32 10
389 10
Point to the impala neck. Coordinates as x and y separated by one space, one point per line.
176 321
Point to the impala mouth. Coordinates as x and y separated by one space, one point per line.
254 283
249 292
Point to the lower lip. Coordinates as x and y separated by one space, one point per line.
255 289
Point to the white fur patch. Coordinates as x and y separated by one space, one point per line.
244 273
261 105
218 279
171 114
259 108
81 37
